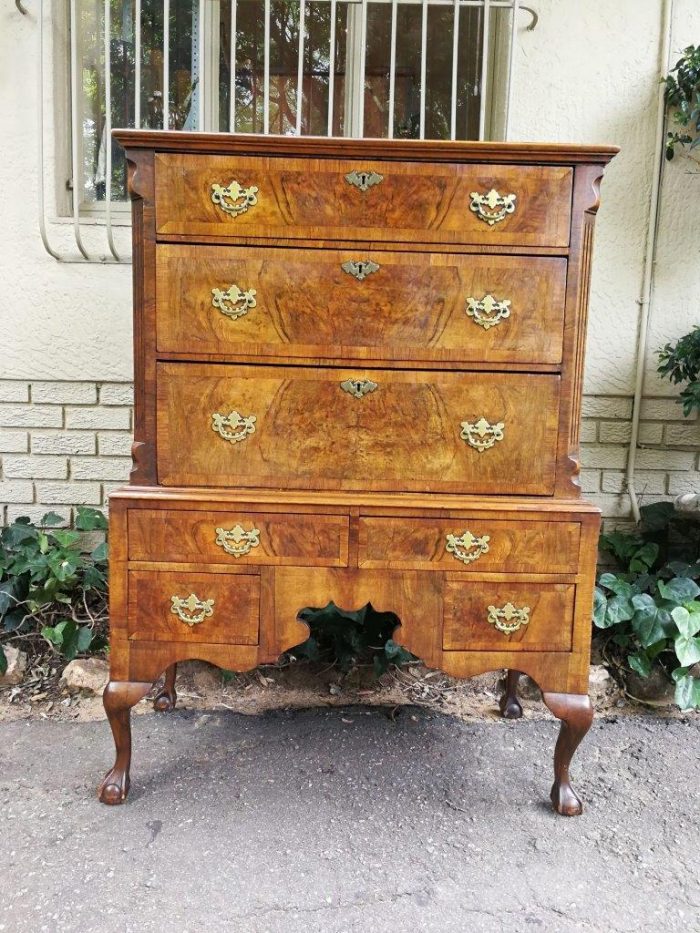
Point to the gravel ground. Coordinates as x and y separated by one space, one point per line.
347 820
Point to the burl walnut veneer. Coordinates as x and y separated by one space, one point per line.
358 378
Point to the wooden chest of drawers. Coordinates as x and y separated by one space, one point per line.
358 378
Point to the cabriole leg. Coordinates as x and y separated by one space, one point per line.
167 696
509 703
576 715
118 698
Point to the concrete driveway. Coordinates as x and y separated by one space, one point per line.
346 820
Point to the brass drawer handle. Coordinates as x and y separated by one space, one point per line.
361 268
508 618
363 179
237 541
233 427
481 435
358 387
492 207
234 199
234 302
190 609
467 547
487 311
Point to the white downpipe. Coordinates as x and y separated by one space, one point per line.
645 299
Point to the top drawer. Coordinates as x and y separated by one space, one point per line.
330 199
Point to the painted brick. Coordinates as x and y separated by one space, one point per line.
612 506
603 457
650 432
683 435
64 393
615 432
31 416
651 459
595 406
613 481
35 513
108 489
645 482
680 483
590 480
116 393
589 432
69 493
664 409
117 468
16 491
13 391
16 467
115 443
63 442
118 419
14 442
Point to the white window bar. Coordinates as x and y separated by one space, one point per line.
331 67
207 119
108 132
300 65
392 66
483 80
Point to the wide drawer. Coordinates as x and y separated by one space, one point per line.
484 616
224 196
213 608
367 304
239 538
324 428
469 543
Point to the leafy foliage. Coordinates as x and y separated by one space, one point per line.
683 97
50 588
650 607
351 637
680 362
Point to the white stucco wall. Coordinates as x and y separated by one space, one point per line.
588 73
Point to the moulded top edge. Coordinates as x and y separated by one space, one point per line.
322 146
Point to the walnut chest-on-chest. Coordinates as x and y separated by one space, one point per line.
358 374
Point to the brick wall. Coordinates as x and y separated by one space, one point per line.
64 444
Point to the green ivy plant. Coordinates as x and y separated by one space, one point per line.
348 638
649 608
683 98
680 362
50 588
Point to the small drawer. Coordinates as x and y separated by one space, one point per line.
469 544
239 538
324 428
312 303
208 608
484 616
322 199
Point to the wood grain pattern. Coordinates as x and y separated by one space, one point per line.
236 608
311 197
414 307
514 546
311 434
466 626
320 540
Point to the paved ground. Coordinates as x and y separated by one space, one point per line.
344 820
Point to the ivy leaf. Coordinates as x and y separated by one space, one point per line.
647 621
51 520
687 694
66 538
687 650
600 604
618 610
84 639
99 554
616 585
688 622
640 662
89 519
679 589
643 559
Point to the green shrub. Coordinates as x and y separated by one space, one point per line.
680 362
649 608
683 98
50 590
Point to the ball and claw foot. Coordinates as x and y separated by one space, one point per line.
509 704
118 698
166 698
576 715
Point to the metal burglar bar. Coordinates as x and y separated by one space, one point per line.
391 68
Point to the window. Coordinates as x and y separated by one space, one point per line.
403 68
